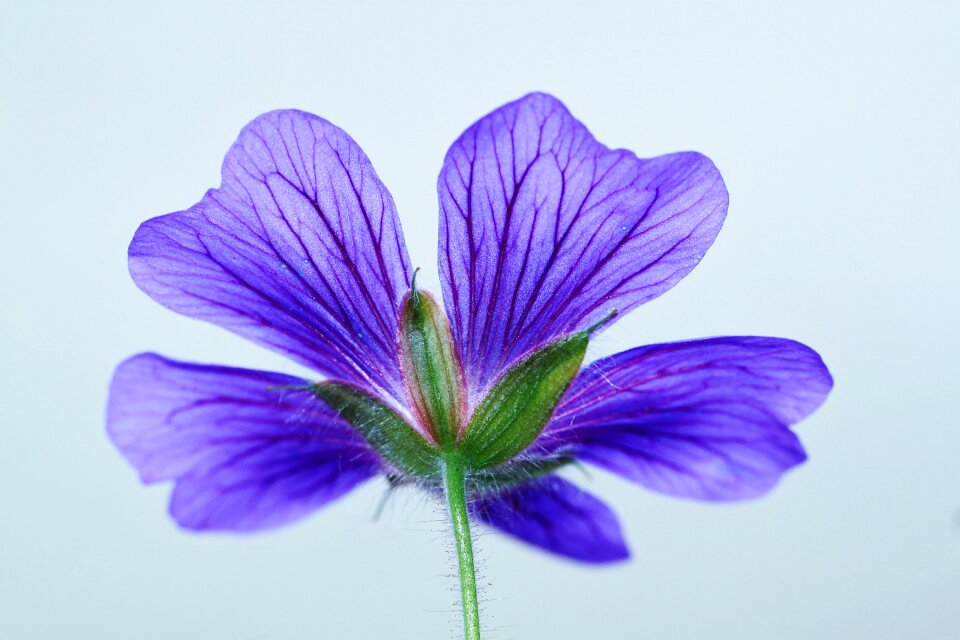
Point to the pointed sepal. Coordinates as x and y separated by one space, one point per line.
518 406
383 428
431 370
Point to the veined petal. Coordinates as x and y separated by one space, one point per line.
556 516
705 419
299 250
247 449
544 231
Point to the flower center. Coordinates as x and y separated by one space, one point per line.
489 440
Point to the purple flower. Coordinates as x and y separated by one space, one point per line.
545 235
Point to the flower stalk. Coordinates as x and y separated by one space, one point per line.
454 486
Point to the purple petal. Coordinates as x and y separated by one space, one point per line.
299 250
705 419
246 451
544 230
555 515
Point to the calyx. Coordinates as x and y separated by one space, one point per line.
490 440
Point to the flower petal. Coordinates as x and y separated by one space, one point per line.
299 250
247 449
544 230
705 419
555 515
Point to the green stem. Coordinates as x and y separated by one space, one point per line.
454 482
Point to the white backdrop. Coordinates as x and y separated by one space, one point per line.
836 128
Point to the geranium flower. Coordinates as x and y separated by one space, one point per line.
546 237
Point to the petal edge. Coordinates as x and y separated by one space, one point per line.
706 419
556 516
544 230
300 250
247 449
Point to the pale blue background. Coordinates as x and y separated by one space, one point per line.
836 128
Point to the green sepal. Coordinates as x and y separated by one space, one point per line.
518 406
431 369
384 429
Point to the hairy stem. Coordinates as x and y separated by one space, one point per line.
454 487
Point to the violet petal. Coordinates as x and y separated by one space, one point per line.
544 231
705 419
299 250
247 449
557 516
